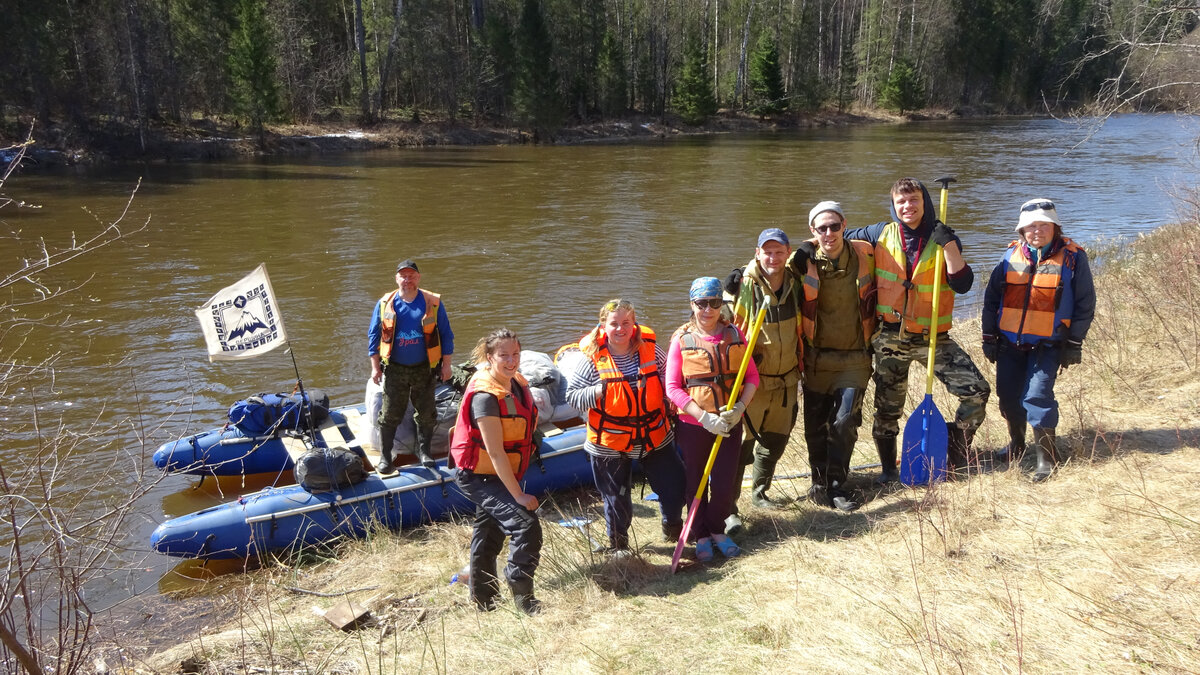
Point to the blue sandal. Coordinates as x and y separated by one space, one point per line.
728 548
704 550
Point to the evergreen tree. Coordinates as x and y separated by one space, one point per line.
903 91
612 78
694 99
766 78
252 66
536 94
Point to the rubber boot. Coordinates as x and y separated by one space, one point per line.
761 475
1015 449
484 586
1045 445
522 591
424 443
886 447
387 437
956 450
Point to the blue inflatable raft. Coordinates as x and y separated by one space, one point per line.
282 518
232 451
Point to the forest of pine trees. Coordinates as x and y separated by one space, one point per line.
544 63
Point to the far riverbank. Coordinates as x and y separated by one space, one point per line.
107 141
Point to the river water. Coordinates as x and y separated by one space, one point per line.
533 238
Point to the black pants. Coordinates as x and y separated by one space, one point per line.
498 515
831 424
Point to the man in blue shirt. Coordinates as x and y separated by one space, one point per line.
410 345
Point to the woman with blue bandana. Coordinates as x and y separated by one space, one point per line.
702 365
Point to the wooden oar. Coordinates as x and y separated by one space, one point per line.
925 435
712 454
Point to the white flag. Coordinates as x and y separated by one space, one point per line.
242 321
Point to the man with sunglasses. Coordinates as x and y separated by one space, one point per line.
772 414
838 319
905 249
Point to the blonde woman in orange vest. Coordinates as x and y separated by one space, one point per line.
702 365
410 345
1037 309
491 445
621 389
905 253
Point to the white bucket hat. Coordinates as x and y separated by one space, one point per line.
1037 210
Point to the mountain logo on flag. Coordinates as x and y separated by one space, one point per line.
245 324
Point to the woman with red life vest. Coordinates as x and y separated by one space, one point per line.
702 365
621 388
491 445
1037 309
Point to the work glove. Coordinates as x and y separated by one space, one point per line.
734 415
1070 354
942 235
804 252
990 347
713 424
733 282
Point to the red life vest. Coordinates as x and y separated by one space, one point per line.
710 369
387 321
518 420
630 412
1037 301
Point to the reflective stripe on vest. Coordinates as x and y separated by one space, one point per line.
1037 301
387 321
518 420
630 411
915 303
710 369
866 293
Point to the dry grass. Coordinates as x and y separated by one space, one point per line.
1096 570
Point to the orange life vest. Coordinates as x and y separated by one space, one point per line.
630 411
909 299
1037 301
387 321
710 369
518 420
866 293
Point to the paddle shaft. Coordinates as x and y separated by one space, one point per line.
712 454
937 291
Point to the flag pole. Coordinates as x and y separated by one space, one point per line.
305 404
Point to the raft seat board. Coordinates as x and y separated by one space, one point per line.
360 429
296 447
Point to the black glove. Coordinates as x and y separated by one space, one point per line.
990 347
942 234
733 282
805 252
1070 354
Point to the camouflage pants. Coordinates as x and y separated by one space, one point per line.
951 366
402 384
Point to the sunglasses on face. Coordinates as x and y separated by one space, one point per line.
710 303
828 229
1037 206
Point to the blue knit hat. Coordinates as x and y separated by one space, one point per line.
705 287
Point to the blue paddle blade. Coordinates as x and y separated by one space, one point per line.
923 457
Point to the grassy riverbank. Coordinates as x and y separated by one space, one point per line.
1096 569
